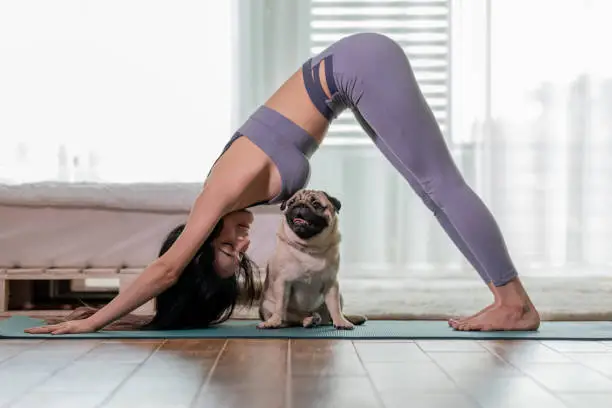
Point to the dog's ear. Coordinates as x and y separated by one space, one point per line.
283 205
335 202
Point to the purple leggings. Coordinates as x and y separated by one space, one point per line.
370 75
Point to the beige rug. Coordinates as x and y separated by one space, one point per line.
556 298
588 298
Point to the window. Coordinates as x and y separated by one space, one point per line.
88 89
422 28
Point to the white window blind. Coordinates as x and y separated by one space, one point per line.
422 28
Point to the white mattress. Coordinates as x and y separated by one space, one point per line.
45 225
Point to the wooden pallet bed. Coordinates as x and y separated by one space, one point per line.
51 231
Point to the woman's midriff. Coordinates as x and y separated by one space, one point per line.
292 101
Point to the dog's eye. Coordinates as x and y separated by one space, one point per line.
317 205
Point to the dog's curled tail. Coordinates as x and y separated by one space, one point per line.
356 319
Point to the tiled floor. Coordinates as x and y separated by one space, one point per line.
305 373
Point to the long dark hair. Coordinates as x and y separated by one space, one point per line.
200 297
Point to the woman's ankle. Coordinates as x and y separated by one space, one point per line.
512 294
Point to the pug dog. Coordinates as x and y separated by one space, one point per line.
301 285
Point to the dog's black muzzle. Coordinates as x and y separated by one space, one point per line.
304 221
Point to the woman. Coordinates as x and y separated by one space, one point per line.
267 160
209 287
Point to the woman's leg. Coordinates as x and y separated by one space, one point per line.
393 111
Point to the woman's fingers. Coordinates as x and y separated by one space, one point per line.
61 330
75 326
42 329
36 330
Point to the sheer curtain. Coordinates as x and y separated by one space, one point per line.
550 133
114 91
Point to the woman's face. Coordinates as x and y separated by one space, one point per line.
232 242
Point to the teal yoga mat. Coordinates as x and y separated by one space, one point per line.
373 329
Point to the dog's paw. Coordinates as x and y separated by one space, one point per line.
343 325
271 323
312 321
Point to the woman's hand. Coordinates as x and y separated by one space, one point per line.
69 327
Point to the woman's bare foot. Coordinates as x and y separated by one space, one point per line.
512 310
456 321
504 318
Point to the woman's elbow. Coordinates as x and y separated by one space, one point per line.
166 275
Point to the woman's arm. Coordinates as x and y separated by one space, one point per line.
162 273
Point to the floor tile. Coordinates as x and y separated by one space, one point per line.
587 400
415 399
568 377
179 365
336 392
13 385
417 376
88 377
120 353
520 353
243 398
565 346
59 400
206 347
462 364
507 392
343 365
390 352
326 358
596 361
451 345
10 350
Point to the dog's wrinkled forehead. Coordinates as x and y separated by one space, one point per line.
310 196
316 198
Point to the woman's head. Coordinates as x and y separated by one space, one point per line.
231 242
209 287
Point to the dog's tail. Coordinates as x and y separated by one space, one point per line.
356 319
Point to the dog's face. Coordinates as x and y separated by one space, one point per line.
310 212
